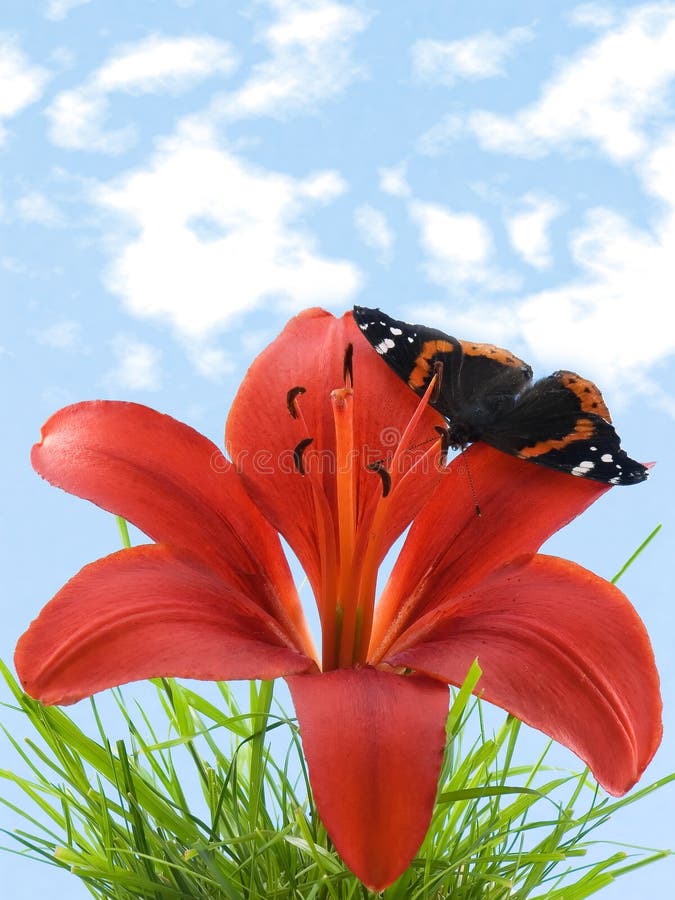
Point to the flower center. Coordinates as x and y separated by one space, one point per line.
352 530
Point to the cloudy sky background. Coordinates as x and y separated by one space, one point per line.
178 178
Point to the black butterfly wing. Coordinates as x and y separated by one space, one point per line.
412 351
488 383
562 422
478 381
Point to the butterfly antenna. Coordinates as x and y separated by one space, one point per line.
470 480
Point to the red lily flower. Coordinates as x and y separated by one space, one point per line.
213 598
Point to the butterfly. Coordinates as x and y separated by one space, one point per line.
487 394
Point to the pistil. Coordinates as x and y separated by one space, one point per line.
346 468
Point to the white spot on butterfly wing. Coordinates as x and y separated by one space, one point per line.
583 468
384 346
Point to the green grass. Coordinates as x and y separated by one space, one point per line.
119 818
207 796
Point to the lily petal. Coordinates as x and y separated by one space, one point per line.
561 649
178 488
147 612
261 434
450 548
374 746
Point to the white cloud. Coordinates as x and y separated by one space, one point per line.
59 9
437 139
458 246
13 265
528 229
322 186
62 58
155 65
460 237
614 319
21 82
310 60
393 180
373 229
211 362
137 365
206 237
592 15
77 120
605 95
161 64
63 335
36 208
480 56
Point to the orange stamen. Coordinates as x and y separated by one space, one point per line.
373 550
406 437
370 546
325 533
350 541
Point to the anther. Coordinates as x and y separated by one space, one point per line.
299 452
347 369
379 467
291 397
438 372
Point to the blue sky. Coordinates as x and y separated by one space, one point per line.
177 178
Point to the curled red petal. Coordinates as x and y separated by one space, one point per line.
561 649
177 487
449 547
147 612
374 746
261 434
